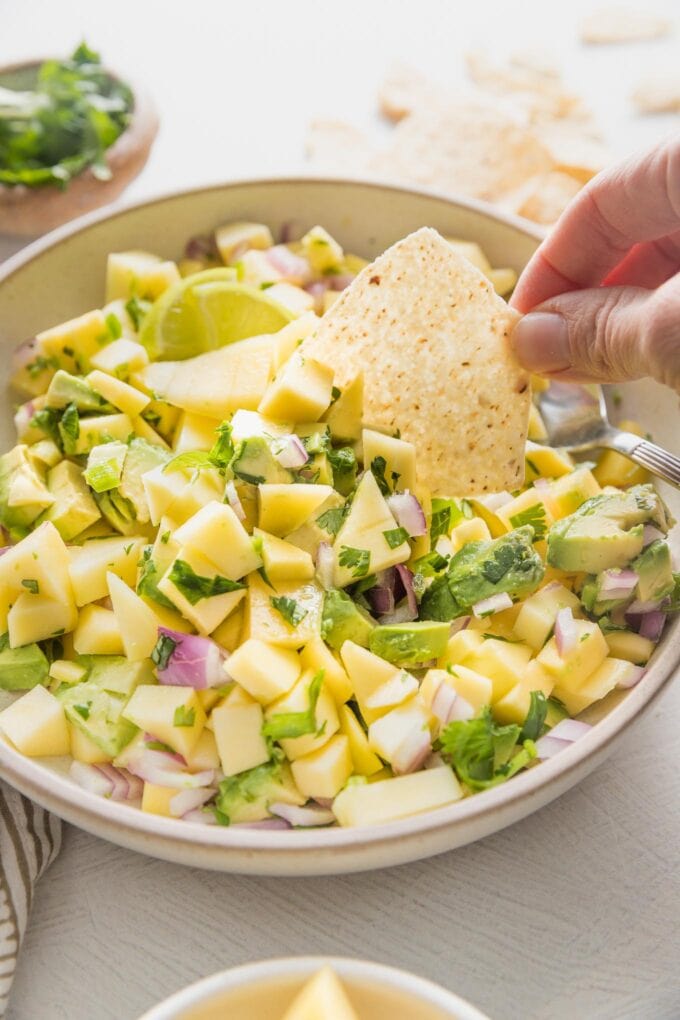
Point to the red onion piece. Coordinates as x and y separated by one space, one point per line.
340 281
263 823
119 784
443 702
289 232
494 604
200 817
462 710
234 501
541 484
412 752
290 452
643 607
565 631
293 268
202 246
106 780
23 416
90 778
402 614
394 691
651 534
406 577
570 730
163 769
408 513
382 600
318 290
634 675
617 584
652 625
4 549
325 565
189 800
302 817
324 802
547 746
195 661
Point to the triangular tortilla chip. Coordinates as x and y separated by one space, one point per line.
431 338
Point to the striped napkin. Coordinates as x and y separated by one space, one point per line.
29 841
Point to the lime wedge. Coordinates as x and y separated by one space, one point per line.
205 311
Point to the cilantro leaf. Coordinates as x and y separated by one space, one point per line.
149 577
482 753
288 725
331 520
137 309
360 559
395 537
32 585
223 448
69 428
113 326
194 587
533 724
162 651
344 464
535 516
184 716
290 610
446 513
378 467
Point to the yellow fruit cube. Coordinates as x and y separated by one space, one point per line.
264 621
297 700
173 715
284 508
284 561
474 688
392 799
612 673
367 673
137 621
625 644
361 546
344 416
322 998
530 507
503 663
36 724
546 462
126 398
36 618
536 617
537 431
301 390
74 508
228 634
204 754
571 670
121 359
75 342
239 236
614 469
317 655
513 708
238 734
156 799
91 562
295 299
100 427
97 632
472 530
84 749
568 493
461 646
216 533
399 457
264 670
324 772
206 613
65 672
364 761
138 273
322 251
194 432
41 556
402 732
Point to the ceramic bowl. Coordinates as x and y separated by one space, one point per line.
28 212
264 990
62 276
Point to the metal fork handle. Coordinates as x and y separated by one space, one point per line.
657 460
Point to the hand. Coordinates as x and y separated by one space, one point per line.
603 290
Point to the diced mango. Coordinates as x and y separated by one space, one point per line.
391 735
284 561
156 799
625 644
461 646
367 673
36 724
37 618
284 508
297 700
204 754
472 530
571 670
91 562
216 533
530 507
264 621
324 772
138 273
317 655
546 462
344 416
233 237
473 687
503 663
228 634
238 733
75 342
206 614
365 762
569 492
399 457
536 617
387 801
137 621
126 398
363 534
173 715
514 706
194 432
84 749
301 390
264 670
98 632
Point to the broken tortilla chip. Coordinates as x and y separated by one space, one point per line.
404 89
622 24
543 199
431 338
658 93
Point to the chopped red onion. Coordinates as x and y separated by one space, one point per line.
652 625
23 417
318 290
292 267
643 607
195 661
381 599
495 500
289 231
202 246
394 691
189 800
106 780
651 534
412 751
461 623
340 281
565 631
494 604
234 501
119 784
90 778
405 576
163 769
402 614
325 565
541 484
443 702
547 746
324 802
290 452
303 817
617 584
570 729
633 676
408 513
200 817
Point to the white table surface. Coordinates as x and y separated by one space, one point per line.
573 913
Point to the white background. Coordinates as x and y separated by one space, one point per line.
570 914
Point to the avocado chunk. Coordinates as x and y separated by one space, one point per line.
65 389
655 573
97 711
149 576
142 456
408 644
23 493
73 508
481 569
119 512
254 462
115 673
593 600
342 620
606 530
246 797
21 668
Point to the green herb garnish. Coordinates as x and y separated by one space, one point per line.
194 587
163 651
290 610
360 559
184 716
288 725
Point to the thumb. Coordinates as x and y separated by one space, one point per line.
607 334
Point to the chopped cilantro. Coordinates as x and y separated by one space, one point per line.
184 716
288 725
331 520
113 326
69 428
194 587
83 710
290 610
378 466
163 651
32 585
136 309
533 724
395 537
360 559
335 393
165 537
535 516
482 753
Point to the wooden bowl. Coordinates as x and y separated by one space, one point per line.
28 212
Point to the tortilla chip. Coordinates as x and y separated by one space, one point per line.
622 24
658 93
538 90
469 148
430 336
544 198
404 89
573 150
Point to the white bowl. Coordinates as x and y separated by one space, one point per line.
62 276
264 990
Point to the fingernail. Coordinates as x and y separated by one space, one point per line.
541 342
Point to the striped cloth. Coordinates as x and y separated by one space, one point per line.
29 841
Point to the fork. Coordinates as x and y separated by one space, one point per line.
575 417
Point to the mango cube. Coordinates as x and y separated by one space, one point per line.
324 772
265 671
301 390
97 632
156 799
365 762
194 432
402 732
625 644
399 457
284 561
473 687
284 508
363 534
84 749
138 273
472 530
392 799
173 715
126 398
216 533
297 700
461 647
75 342
569 492
238 734
345 414
264 621
90 563
514 706
367 673
137 621
233 237
36 724
503 663
536 617
572 669
207 613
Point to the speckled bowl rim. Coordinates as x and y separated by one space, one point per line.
492 809
201 992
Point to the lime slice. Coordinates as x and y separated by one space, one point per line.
205 311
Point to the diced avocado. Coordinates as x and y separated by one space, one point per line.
115 673
65 389
73 508
21 668
481 569
606 531
254 462
23 493
555 712
342 620
149 576
343 463
407 644
142 456
118 511
594 602
246 796
655 574
105 466
98 714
